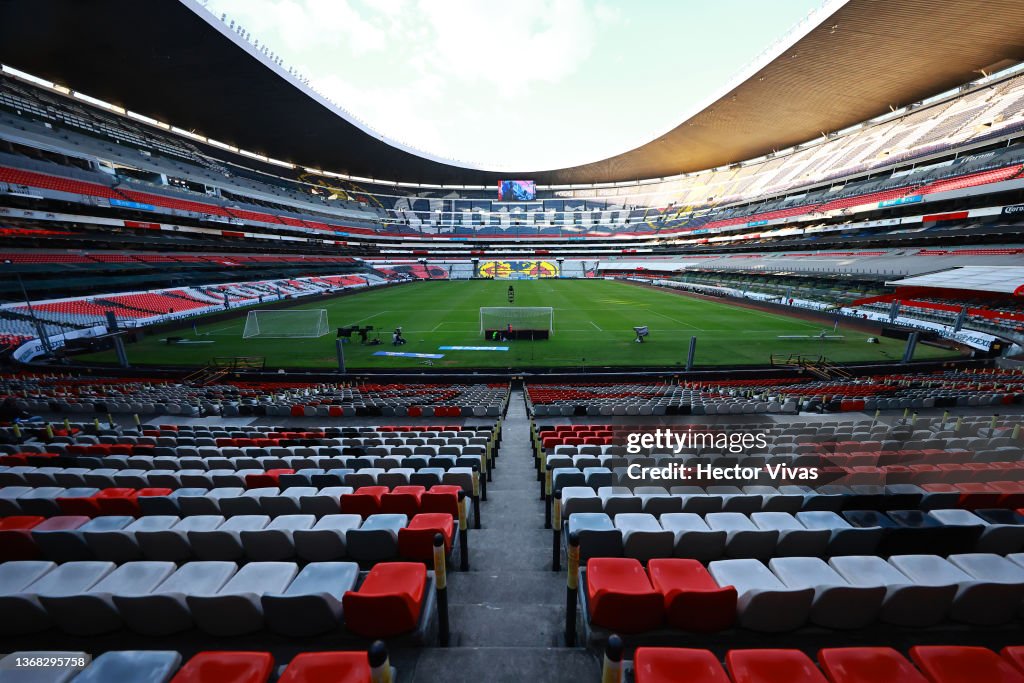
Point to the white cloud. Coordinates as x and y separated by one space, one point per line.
523 85
510 46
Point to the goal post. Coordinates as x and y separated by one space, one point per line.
517 322
295 324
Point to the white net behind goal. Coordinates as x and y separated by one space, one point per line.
521 318
286 324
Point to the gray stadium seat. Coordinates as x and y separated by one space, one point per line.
151 666
694 539
906 603
642 536
837 603
765 602
24 613
597 535
164 610
275 541
376 540
236 608
92 611
312 602
325 541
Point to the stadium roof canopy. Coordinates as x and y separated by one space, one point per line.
999 279
165 60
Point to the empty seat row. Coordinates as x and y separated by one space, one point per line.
176 457
120 539
165 666
763 535
226 500
927 664
148 403
77 477
790 498
915 460
681 406
113 439
48 501
160 598
788 593
143 445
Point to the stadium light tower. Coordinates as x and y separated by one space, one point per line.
40 330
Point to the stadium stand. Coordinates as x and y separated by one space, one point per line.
301 520
941 664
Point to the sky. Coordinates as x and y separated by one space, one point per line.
522 85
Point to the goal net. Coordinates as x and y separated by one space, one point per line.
514 276
286 324
521 318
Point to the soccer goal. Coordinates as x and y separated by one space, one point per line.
515 276
286 324
517 322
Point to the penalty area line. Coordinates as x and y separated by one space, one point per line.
369 316
675 320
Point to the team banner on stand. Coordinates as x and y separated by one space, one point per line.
472 348
512 269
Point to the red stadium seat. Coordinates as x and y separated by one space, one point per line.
61 523
620 596
772 666
416 541
328 667
951 664
388 602
674 664
1012 493
120 501
86 506
867 665
33 179
441 498
977 495
1014 654
16 537
693 601
403 500
365 501
270 478
226 667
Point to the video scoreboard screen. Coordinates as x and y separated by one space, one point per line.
517 191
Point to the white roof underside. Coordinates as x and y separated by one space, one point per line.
1002 279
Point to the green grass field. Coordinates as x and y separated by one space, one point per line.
593 327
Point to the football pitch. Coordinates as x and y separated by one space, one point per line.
593 321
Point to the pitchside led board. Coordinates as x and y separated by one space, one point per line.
517 191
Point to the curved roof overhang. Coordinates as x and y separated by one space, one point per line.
165 60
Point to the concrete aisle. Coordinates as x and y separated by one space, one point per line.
507 612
